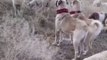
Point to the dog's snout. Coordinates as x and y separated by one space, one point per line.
60 2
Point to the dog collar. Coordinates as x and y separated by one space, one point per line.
73 12
64 10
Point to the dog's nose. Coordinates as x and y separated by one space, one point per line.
60 2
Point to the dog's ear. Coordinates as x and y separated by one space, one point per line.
56 3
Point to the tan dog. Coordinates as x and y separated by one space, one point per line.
94 28
67 24
79 28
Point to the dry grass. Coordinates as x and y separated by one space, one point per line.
17 34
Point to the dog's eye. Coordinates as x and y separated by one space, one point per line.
57 3
60 2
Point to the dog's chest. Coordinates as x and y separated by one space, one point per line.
68 26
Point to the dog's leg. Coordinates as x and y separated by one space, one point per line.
57 31
60 38
56 38
83 44
86 43
93 37
76 48
71 38
77 37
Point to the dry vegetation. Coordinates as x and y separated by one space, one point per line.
23 37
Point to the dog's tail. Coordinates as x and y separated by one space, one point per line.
97 27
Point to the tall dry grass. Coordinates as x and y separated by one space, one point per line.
17 34
17 39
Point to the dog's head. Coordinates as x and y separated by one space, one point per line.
61 3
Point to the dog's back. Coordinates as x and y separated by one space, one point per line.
69 23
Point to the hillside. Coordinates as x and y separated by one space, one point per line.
29 35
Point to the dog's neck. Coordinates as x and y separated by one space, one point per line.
62 10
61 13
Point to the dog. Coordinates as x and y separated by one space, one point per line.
76 27
99 16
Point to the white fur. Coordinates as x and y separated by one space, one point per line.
78 35
58 21
99 28
98 56
75 7
95 31
101 16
